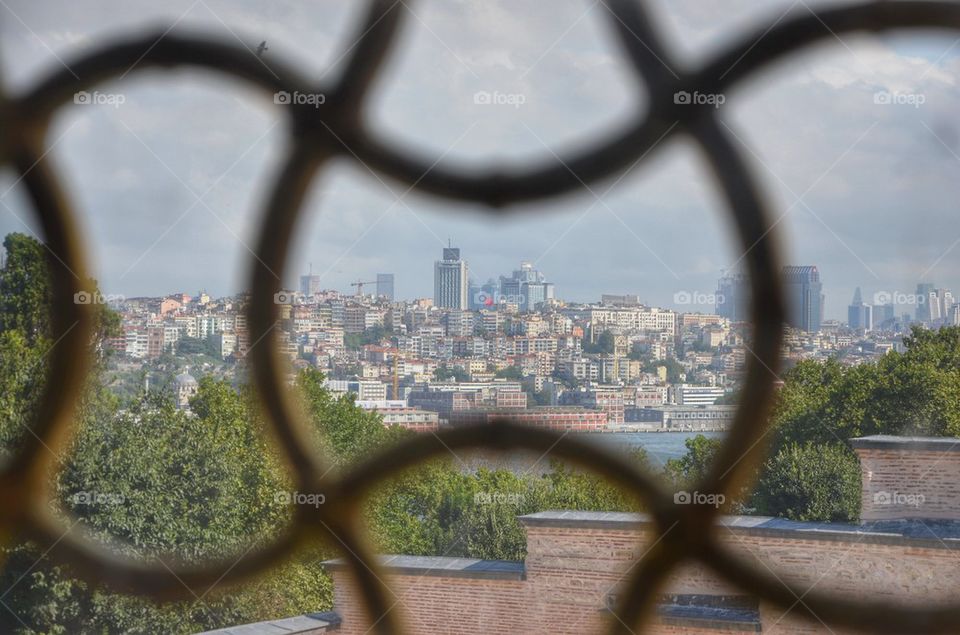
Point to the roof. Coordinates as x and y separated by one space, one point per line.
917 444
936 534
444 567
302 624
185 378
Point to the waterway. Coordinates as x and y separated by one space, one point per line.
660 447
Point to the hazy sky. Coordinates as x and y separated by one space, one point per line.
877 183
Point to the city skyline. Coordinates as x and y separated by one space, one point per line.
729 298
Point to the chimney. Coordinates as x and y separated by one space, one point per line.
909 477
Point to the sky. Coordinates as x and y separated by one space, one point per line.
170 182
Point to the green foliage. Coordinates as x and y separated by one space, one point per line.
674 369
22 375
728 399
812 473
25 291
196 346
603 345
912 393
443 373
510 372
373 335
437 509
536 397
811 482
341 428
692 467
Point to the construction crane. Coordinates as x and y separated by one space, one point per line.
359 285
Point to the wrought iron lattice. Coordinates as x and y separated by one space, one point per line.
336 130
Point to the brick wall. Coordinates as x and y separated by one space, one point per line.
909 477
577 560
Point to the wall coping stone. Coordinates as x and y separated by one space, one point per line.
915 444
938 534
443 567
309 623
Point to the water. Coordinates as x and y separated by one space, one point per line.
660 446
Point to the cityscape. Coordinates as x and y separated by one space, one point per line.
512 348
438 318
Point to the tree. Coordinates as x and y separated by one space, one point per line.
342 429
812 473
674 369
209 346
25 291
915 392
811 482
372 335
603 345
445 373
510 372
693 466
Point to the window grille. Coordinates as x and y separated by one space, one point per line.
335 129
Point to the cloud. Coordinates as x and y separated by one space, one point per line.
877 181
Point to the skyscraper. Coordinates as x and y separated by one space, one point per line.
733 297
941 301
309 284
924 290
527 287
385 286
450 280
884 315
804 294
859 315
